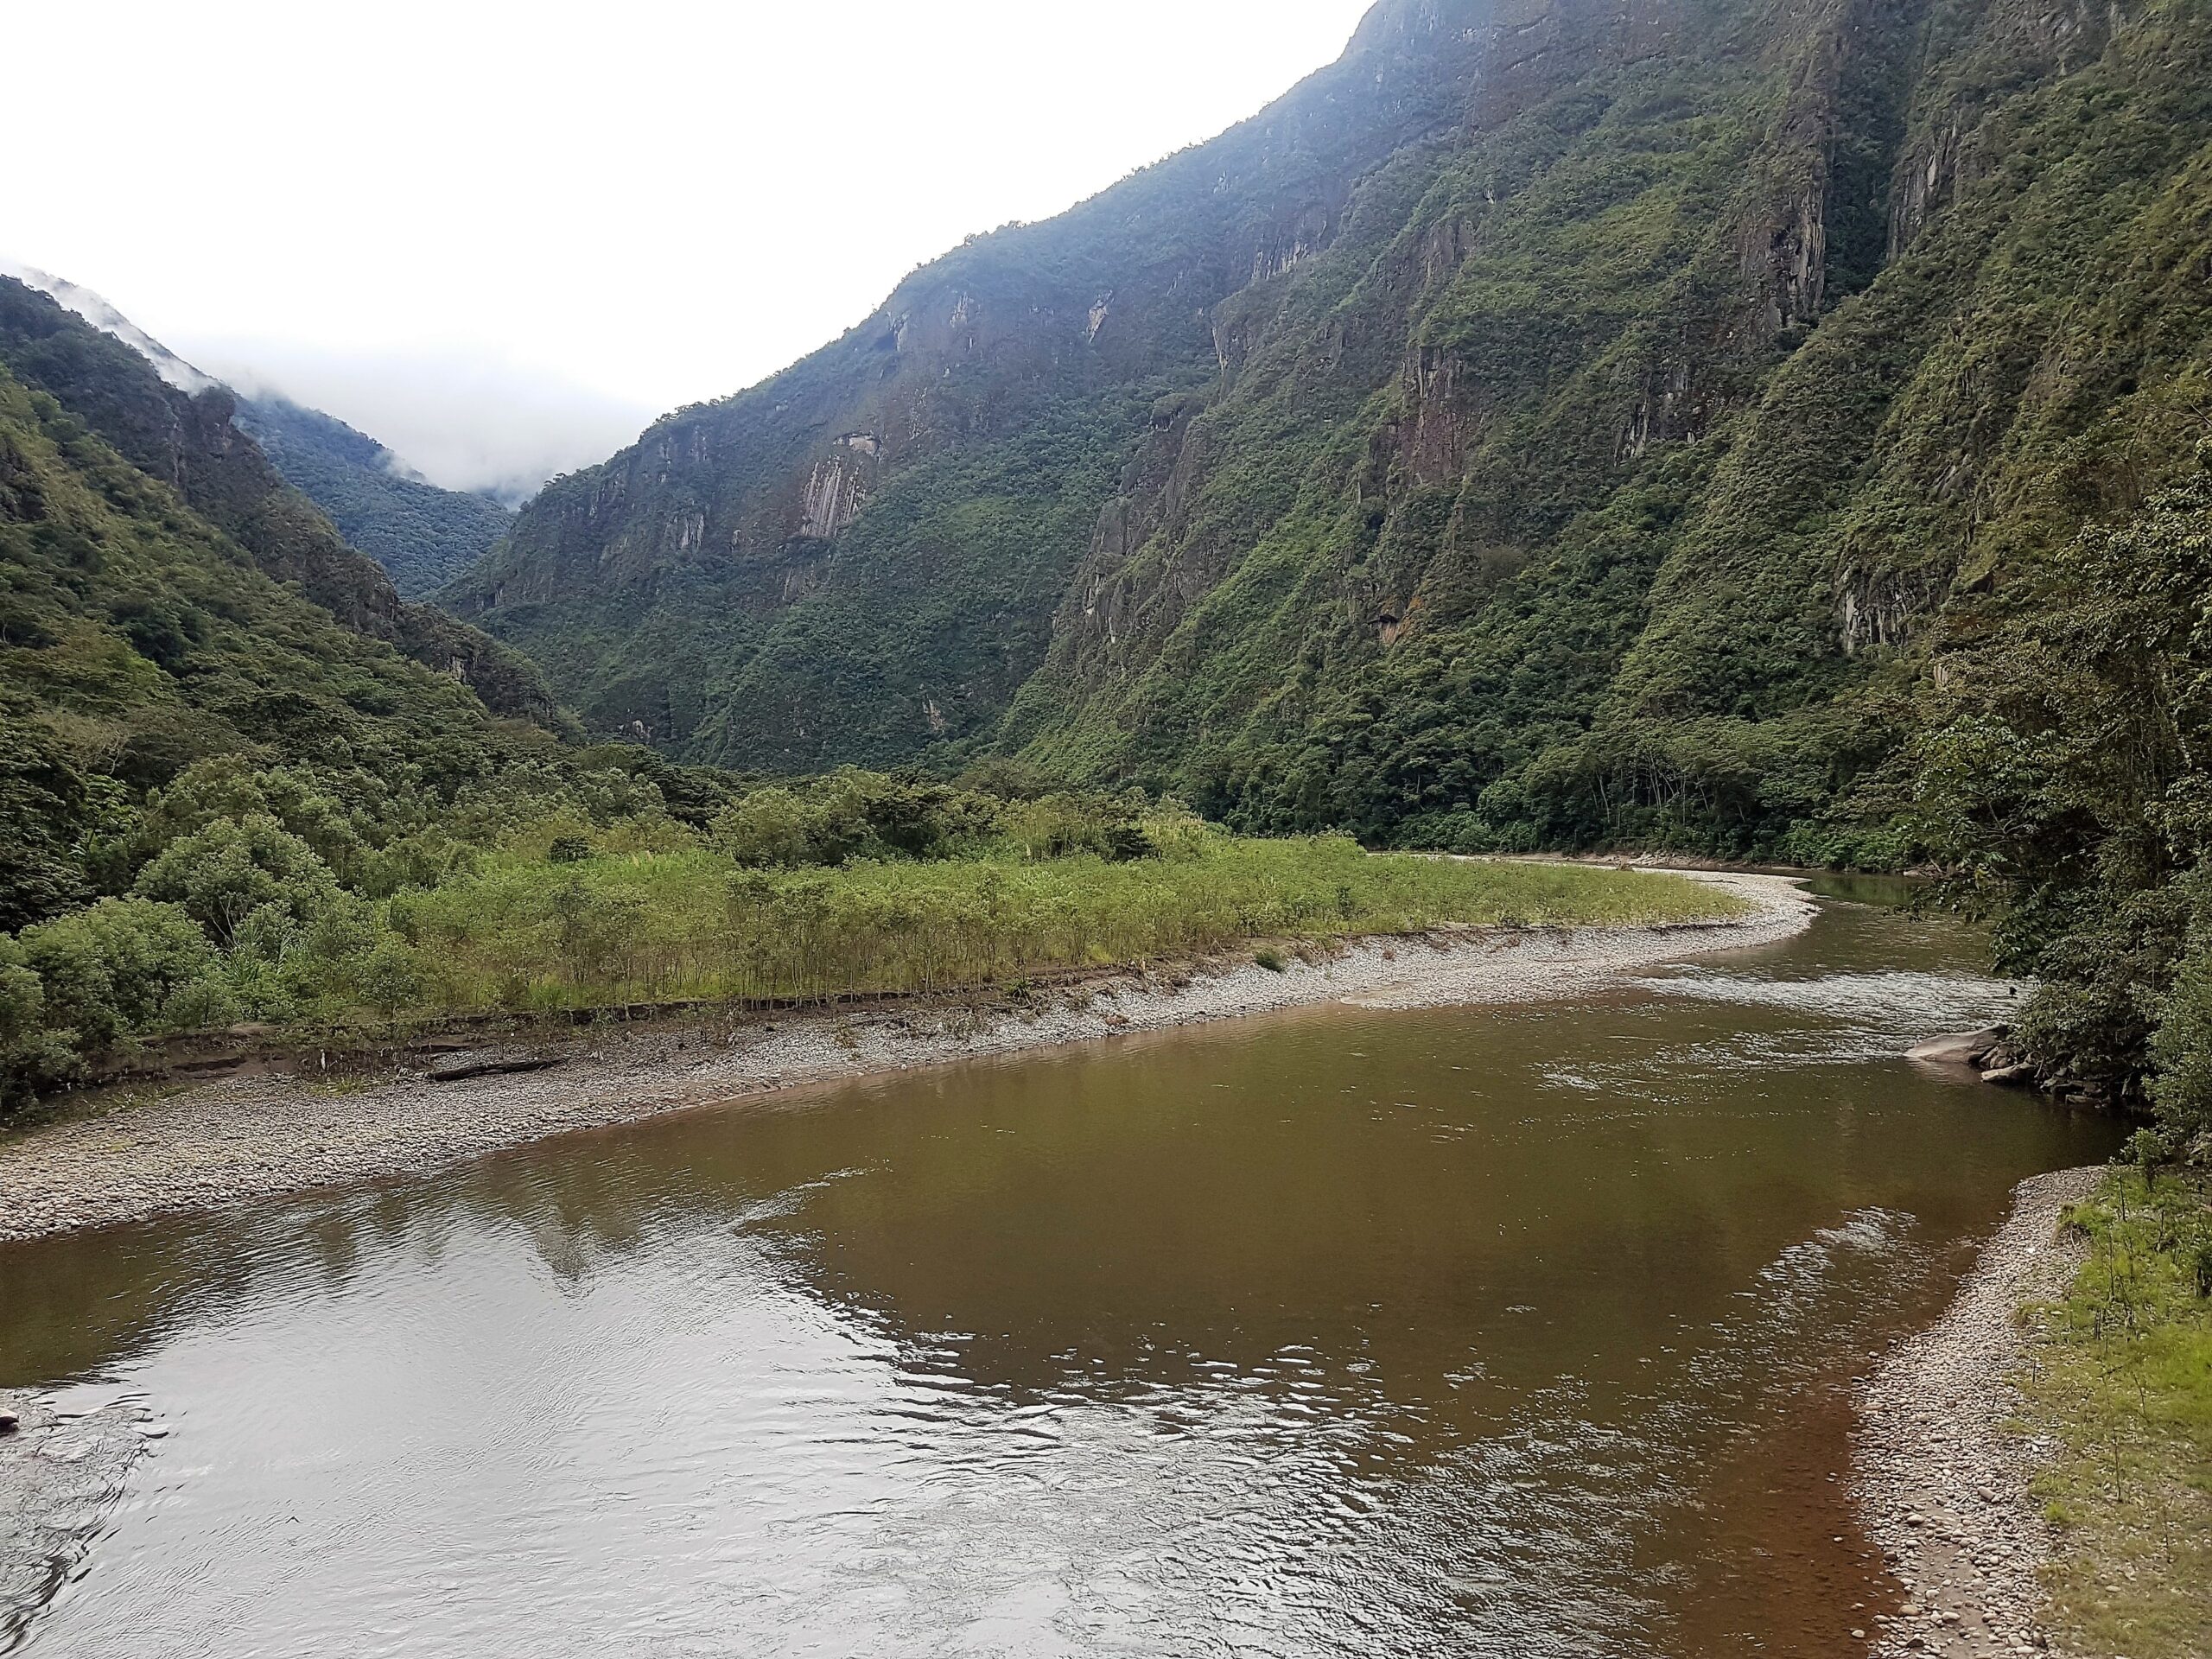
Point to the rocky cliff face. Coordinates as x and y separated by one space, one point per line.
1554 415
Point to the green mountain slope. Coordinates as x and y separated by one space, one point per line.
190 443
421 534
139 633
1552 424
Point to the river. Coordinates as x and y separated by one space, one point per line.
1520 1330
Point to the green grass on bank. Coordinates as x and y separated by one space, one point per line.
657 927
327 907
2125 1386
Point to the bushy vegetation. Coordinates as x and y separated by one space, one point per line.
2123 1383
2060 774
301 897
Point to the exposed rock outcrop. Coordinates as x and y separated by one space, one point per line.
1557 397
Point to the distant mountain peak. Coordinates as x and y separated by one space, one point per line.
97 310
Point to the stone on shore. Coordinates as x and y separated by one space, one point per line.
1943 1481
1961 1048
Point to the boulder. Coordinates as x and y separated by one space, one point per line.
8 1421
2011 1076
1961 1048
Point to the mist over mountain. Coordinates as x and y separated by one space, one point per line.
97 310
461 421
423 536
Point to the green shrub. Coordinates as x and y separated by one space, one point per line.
106 973
773 829
224 872
203 1005
390 978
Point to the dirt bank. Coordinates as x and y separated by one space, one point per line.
1942 1479
263 1136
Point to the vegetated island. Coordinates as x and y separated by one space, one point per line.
587 978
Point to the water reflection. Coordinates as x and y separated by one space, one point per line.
1346 1331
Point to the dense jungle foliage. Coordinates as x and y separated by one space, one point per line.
421 534
136 640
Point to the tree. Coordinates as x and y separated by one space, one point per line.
43 801
107 972
224 872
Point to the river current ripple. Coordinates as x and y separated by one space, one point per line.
1515 1331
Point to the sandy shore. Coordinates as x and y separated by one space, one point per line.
1942 1480
260 1137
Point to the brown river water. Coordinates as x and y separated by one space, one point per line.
1522 1331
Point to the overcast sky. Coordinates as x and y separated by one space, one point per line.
505 235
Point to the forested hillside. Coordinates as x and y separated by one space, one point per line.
1553 425
189 442
1550 425
139 636
421 534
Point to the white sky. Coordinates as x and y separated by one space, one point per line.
444 218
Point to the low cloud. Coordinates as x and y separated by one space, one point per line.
463 421
97 311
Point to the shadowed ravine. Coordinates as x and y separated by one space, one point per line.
1338 1331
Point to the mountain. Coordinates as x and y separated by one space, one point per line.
421 534
95 310
1555 422
164 598
189 442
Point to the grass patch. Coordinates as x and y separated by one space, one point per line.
2125 1386
659 927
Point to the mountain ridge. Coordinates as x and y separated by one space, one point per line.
423 534
189 442
1554 424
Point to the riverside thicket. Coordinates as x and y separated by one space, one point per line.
291 898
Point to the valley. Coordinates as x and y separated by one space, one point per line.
1084 974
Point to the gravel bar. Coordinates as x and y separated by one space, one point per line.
257 1137
1943 1473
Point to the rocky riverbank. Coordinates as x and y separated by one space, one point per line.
1943 1477
263 1136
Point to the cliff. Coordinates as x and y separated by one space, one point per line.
1555 421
